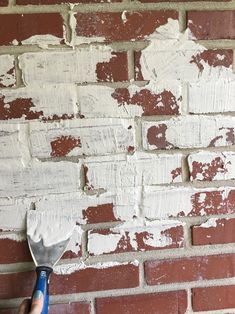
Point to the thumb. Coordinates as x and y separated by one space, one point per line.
37 303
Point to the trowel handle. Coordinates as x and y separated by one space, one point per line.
42 284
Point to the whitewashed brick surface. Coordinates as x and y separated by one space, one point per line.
96 137
7 72
135 170
9 141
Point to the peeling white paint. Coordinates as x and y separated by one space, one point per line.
132 170
212 96
38 178
47 100
49 227
189 131
208 169
77 66
6 65
102 137
67 269
92 106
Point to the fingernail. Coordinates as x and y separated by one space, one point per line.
37 295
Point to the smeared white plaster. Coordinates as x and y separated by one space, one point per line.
6 65
92 106
42 40
189 131
38 178
50 99
170 30
97 138
49 227
75 66
75 240
132 170
210 223
171 60
10 146
100 243
67 269
225 161
18 237
165 202
212 96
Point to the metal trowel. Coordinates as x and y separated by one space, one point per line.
48 236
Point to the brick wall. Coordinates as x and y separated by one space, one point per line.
121 113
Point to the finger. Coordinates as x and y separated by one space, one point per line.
37 303
24 307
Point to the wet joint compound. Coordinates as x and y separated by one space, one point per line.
120 115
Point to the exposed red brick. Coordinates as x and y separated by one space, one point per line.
140 238
155 303
221 233
212 24
157 136
213 298
189 269
63 145
3 3
149 101
111 25
14 251
36 2
69 308
215 57
114 70
94 279
14 285
18 108
176 172
208 170
99 213
214 203
23 26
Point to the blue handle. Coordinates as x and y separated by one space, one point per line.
42 284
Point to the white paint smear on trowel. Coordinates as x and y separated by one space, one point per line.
51 228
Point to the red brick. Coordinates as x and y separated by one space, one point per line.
37 2
221 231
14 285
113 27
189 269
69 308
14 251
158 303
23 26
136 239
213 298
212 24
3 3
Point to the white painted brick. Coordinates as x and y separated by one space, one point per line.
9 141
135 170
212 166
125 203
38 178
75 66
93 137
211 96
134 236
189 132
46 101
7 72
161 203
183 60
147 100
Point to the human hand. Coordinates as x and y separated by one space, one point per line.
36 307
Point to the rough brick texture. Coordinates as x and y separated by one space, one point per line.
25 26
119 115
165 303
211 24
